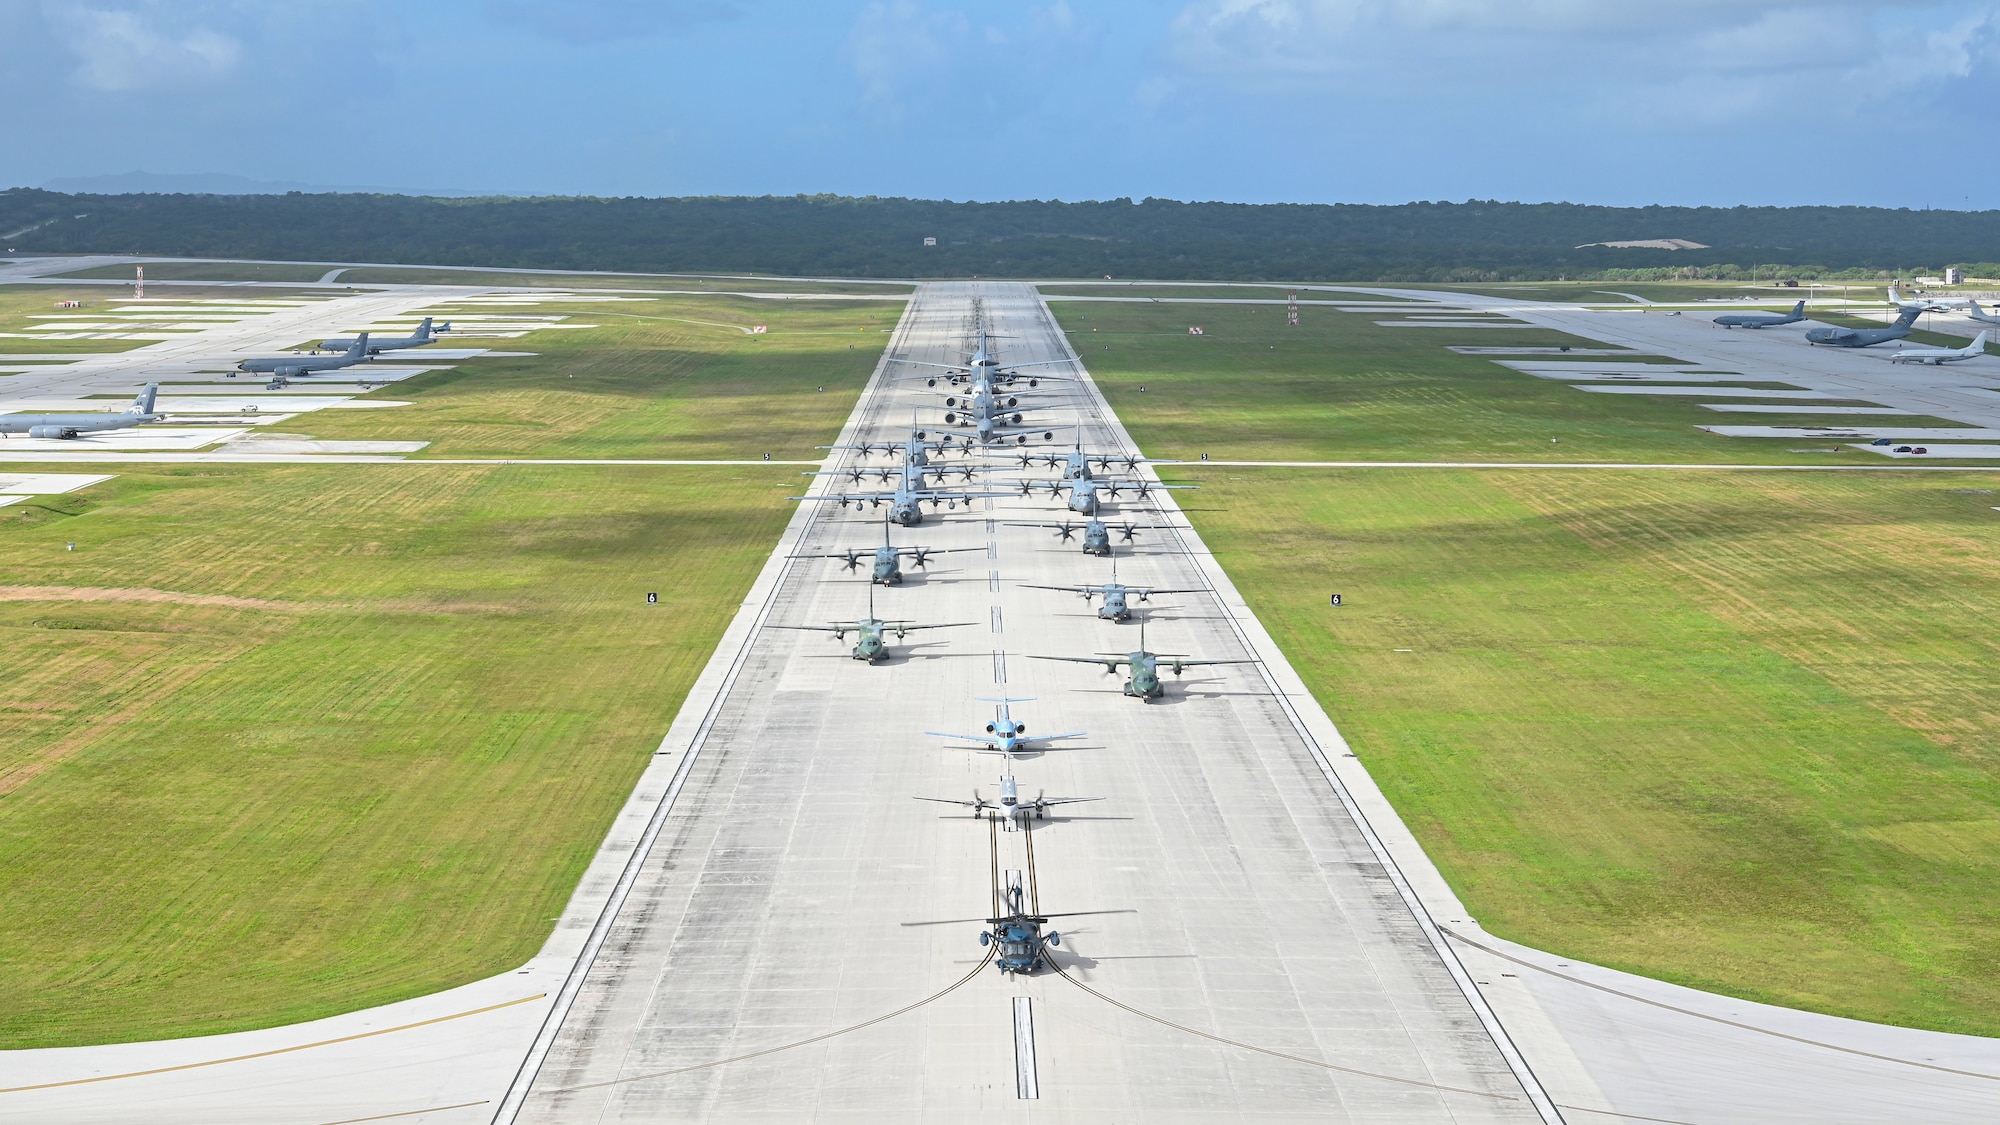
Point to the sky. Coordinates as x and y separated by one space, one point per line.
1363 101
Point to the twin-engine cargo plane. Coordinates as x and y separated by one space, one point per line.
1096 533
70 426
887 569
871 633
1143 667
1117 597
907 501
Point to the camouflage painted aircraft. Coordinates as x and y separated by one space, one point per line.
871 633
888 559
1142 667
1117 597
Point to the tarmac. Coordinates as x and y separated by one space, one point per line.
1278 946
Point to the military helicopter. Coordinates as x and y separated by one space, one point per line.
1096 533
1143 666
1117 597
887 569
1015 930
871 633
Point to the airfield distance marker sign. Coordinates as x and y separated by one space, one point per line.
1336 599
653 597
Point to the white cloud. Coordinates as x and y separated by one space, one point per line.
1690 62
122 50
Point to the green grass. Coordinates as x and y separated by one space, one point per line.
20 303
378 773
1340 388
650 382
1729 730
1245 291
1732 730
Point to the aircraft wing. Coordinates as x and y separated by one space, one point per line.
834 629
1052 737
900 628
851 497
1177 665
986 738
1142 591
950 801
1110 663
944 366
915 552
1086 591
1065 800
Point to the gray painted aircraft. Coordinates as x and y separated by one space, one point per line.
69 426
1076 463
1763 320
907 501
1009 806
982 368
424 334
916 449
1084 493
1973 310
1004 735
1096 533
1926 303
1864 337
871 633
285 367
1942 355
991 421
1117 596
888 568
1142 667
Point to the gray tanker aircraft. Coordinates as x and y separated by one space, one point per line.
1865 337
284 367
1763 320
888 569
1143 667
1117 597
871 633
69 426
424 334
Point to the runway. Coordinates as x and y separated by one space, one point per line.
772 907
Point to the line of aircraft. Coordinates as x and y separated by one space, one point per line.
1831 336
986 407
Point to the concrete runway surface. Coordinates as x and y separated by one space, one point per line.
1289 952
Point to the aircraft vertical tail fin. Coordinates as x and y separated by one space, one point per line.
144 403
423 331
1909 315
1978 344
359 346
1799 310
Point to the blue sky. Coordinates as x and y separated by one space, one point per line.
1370 101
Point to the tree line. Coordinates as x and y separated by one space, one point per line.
885 237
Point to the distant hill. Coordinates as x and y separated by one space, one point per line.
211 183
884 237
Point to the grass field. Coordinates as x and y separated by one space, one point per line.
20 303
282 742
670 378
1245 291
1732 730
278 742
1341 388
